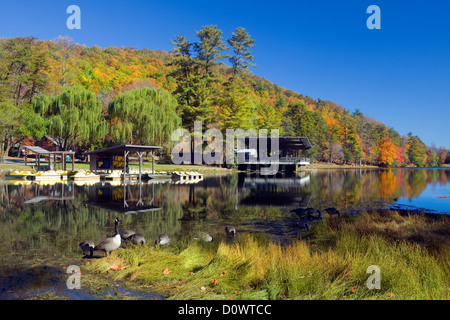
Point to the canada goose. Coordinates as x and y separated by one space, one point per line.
136 238
204 236
125 234
112 243
300 212
163 239
87 246
331 211
230 231
312 211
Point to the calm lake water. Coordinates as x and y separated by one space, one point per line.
43 222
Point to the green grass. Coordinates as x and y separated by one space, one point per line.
331 264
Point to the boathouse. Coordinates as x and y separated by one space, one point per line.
63 156
117 158
289 153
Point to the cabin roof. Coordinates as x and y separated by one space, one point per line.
123 148
40 150
298 143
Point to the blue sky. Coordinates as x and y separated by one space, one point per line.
399 75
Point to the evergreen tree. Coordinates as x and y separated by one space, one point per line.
210 47
237 107
187 76
241 44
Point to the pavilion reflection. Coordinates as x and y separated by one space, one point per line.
122 197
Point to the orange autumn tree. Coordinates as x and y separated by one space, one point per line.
387 151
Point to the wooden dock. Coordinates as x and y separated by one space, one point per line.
186 176
89 176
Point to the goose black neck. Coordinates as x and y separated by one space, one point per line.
116 228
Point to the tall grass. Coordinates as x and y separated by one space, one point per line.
332 264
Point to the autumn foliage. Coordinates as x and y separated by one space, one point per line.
203 89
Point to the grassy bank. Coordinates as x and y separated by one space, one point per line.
412 252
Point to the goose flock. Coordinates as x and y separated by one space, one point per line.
113 243
125 236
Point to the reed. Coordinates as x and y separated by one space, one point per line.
331 264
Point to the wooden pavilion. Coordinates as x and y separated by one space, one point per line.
117 158
41 151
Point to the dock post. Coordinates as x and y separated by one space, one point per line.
153 163
125 153
140 154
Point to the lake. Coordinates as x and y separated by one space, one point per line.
42 223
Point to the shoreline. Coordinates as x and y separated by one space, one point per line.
252 267
4 167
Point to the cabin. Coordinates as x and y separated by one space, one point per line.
256 153
287 156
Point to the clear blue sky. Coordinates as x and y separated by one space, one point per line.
399 75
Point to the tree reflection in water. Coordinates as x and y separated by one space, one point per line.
55 217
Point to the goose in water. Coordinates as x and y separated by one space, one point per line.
332 211
230 231
163 239
87 247
112 243
136 238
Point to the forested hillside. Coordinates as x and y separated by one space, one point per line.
90 97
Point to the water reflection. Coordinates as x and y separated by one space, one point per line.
56 216
48 219
123 198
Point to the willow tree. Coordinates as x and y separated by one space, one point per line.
75 117
143 116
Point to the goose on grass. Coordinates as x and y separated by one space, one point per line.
110 244
163 239
87 247
332 211
230 231
136 238
125 234
203 236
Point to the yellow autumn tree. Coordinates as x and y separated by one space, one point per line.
387 151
